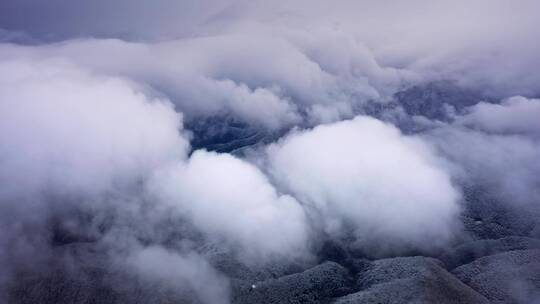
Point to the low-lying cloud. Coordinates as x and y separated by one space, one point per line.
77 133
496 146
366 176
231 199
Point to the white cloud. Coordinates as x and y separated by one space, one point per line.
496 146
64 130
205 76
390 188
516 115
268 62
230 199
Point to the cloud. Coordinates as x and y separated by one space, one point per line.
136 19
260 106
204 76
271 63
75 143
91 124
366 175
488 45
74 132
71 141
79 144
190 273
515 115
231 199
496 146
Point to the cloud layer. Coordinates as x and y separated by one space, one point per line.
74 132
94 147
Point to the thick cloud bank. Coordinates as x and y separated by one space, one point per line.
65 141
486 44
230 198
79 144
366 176
70 136
76 133
269 85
